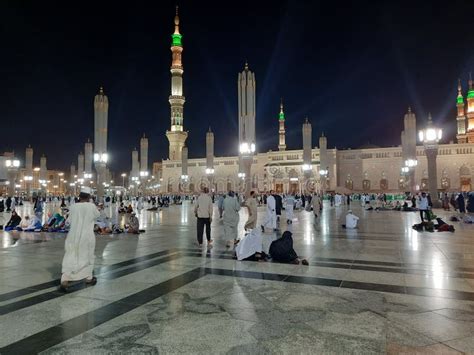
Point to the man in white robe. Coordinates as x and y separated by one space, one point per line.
251 204
270 217
78 262
351 220
231 218
249 245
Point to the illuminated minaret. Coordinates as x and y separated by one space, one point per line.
176 136
88 160
281 130
307 145
209 152
144 157
247 146
28 169
72 172
101 111
470 112
43 169
80 166
461 116
135 173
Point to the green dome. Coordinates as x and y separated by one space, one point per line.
460 100
470 94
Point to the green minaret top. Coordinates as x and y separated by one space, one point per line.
281 116
460 98
470 93
176 36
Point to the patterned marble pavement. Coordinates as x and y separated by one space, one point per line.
383 288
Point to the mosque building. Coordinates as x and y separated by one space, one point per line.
317 168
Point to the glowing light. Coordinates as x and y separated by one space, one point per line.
176 39
410 163
307 167
209 171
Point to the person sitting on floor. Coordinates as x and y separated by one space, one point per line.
34 225
14 222
250 248
281 250
25 222
102 222
122 208
351 220
129 209
133 224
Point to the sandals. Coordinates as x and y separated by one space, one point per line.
64 286
92 281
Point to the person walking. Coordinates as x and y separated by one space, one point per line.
78 261
231 218
203 211
423 204
270 218
251 204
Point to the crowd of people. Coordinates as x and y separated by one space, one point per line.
85 216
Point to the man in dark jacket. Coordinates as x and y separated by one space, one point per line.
278 205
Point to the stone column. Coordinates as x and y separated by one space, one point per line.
431 154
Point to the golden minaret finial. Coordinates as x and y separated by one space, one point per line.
176 22
101 90
281 104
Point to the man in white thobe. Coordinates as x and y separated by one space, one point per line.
78 262
351 220
251 204
231 218
270 218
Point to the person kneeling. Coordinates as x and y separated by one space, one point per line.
281 250
351 220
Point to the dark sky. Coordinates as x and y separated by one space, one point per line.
352 68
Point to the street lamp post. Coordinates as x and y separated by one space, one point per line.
123 179
430 136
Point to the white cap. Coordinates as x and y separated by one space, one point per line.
350 211
86 190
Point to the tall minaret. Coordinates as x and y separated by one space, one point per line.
307 156
80 166
88 159
209 152
135 173
461 116
470 112
246 91
281 130
144 156
43 168
176 136
101 111
247 146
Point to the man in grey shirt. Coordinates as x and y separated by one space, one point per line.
203 211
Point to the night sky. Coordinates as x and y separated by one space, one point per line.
353 69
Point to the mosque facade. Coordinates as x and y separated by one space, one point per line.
369 169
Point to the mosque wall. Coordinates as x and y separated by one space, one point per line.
359 170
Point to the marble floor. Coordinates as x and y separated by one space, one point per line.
383 288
